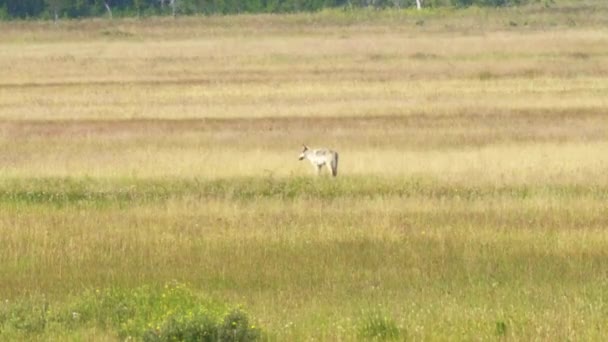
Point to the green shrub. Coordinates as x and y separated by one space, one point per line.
183 328
29 316
378 325
200 327
169 313
501 328
236 328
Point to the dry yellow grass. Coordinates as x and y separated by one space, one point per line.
382 72
500 148
475 92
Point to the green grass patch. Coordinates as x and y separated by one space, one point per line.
170 313
378 325
125 192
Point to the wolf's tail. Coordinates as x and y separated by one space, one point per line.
334 165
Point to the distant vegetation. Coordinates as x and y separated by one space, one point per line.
47 9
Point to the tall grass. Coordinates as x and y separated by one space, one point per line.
310 264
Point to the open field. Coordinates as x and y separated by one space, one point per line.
472 188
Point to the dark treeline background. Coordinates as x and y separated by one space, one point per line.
46 9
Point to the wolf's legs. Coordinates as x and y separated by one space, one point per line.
333 164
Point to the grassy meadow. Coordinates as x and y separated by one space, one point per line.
149 174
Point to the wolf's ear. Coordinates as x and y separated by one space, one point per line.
305 147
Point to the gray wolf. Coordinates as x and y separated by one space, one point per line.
321 157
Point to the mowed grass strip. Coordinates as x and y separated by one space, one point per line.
133 192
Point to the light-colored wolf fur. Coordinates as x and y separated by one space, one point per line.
321 157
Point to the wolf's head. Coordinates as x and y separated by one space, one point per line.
303 154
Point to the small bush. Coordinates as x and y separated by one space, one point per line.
501 328
183 328
236 328
377 325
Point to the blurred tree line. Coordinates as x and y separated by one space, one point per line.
87 8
